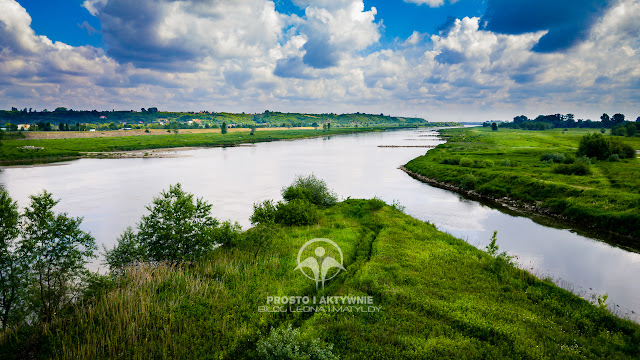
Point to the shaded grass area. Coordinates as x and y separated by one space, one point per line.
440 298
507 164
14 151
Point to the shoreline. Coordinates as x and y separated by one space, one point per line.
163 152
531 211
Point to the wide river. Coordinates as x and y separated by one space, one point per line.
111 194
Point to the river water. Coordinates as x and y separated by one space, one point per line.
111 194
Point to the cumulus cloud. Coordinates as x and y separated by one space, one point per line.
168 34
334 31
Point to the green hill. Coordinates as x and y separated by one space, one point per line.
439 297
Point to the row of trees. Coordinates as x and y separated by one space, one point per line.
543 122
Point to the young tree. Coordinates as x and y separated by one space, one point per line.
57 252
178 227
223 128
494 126
12 270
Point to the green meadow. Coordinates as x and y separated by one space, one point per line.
530 168
439 296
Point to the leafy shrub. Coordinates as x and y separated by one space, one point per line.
479 164
374 204
597 146
557 158
296 212
311 189
614 157
492 190
578 168
263 213
506 163
227 233
128 250
468 181
594 145
450 161
466 162
624 151
291 344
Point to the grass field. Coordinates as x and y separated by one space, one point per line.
440 298
13 151
508 164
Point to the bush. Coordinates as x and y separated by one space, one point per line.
557 158
291 344
263 213
594 145
466 162
479 164
624 151
578 168
310 189
505 163
450 161
468 182
296 212
614 157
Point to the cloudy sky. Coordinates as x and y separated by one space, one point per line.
467 60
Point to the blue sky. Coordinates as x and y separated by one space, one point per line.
440 59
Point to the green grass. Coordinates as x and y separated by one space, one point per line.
507 163
440 298
12 151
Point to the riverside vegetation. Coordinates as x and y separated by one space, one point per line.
440 297
579 175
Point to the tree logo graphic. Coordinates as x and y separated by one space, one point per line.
320 259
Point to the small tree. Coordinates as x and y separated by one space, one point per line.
12 269
178 227
253 130
57 252
223 128
494 126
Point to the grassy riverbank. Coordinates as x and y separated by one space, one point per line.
509 166
440 298
25 151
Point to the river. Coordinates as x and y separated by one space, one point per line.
111 194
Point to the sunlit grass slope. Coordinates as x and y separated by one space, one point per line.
440 298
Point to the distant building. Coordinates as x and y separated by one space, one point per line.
92 129
23 126
103 117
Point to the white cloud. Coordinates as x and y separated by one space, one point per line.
431 3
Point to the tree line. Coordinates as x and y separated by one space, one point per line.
568 121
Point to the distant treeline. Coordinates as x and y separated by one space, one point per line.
543 122
63 119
